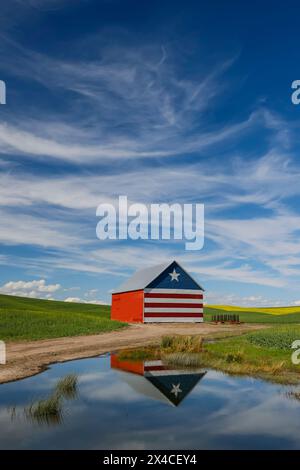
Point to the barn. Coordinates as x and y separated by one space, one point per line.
156 380
163 293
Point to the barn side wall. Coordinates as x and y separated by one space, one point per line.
128 306
173 306
136 367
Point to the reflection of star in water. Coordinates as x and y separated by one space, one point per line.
174 275
176 389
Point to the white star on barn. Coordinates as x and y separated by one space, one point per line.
176 389
174 275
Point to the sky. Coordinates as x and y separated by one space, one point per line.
163 102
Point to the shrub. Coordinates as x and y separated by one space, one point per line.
234 357
183 359
167 341
178 343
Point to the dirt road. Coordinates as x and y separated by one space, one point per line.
28 358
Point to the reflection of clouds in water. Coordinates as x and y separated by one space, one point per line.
272 415
221 412
92 376
218 376
101 386
20 433
252 412
109 392
210 426
31 386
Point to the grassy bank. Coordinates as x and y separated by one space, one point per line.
276 315
32 319
265 354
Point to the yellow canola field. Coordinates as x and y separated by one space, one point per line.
270 310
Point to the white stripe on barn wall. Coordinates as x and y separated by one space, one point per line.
149 300
173 320
173 291
163 373
173 309
158 362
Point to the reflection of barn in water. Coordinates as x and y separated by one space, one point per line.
156 380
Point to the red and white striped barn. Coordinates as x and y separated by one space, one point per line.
163 293
156 380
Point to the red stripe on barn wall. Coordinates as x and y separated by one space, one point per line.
173 296
172 305
152 368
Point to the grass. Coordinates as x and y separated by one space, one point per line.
49 410
280 315
67 387
276 338
185 360
265 353
250 355
176 343
32 319
140 354
168 344
293 394
22 318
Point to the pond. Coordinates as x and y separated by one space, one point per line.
145 405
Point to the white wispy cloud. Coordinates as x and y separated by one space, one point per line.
131 120
217 298
42 231
125 103
36 288
84 301
271 238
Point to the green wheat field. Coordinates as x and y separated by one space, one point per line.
31 319
22 318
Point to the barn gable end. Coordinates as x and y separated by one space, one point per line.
165 281
163 293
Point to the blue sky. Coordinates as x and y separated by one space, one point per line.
163 102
